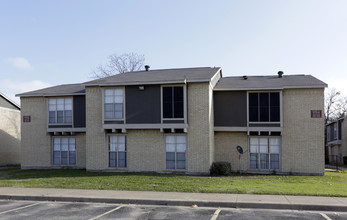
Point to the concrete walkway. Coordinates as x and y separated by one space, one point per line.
178 199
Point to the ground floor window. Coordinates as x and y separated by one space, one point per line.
176 146
117 151
64 150
265 153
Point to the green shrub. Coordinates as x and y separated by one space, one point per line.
345 160
220 168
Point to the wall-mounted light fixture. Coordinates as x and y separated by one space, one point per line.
141 87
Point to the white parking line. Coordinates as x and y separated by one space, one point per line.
23 207
215 215
99 216
325 216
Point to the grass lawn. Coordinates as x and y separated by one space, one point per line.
332 184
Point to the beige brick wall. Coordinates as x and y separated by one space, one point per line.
96 139
36 144
303 136
225 149
9 136
36 150
200 143
146 150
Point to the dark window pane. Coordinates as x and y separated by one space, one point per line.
60 116
52 117
121 155
253 114
72 157
253 107
274 106
56 157
274 113
68 116
64 157
113 156
109 111
264 106
178 102
253 99
181 156
264 161
113 159
274 99
274 161
254 161
181 164
167 102
122 164
170 156
170 164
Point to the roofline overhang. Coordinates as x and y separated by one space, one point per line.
149 83
10 101
49 95
275 88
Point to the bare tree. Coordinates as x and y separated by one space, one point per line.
335 105
126 62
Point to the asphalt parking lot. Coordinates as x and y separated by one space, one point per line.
10 209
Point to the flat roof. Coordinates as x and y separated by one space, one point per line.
269 82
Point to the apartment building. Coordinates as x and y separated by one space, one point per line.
9 132
177 120
337 140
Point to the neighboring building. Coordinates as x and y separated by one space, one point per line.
337 140
9 132
177 120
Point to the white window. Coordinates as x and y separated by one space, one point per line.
176 146
60 110
117 151
113 103
265 153
64 151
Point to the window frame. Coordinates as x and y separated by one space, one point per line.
268 153
269 121
184 86
68 150
103 104
176 152
56 111
117 152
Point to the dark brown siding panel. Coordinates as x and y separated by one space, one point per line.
79 111
230 108
142 106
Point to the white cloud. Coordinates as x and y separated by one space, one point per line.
20 63
12 87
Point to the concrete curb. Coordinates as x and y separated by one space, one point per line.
248 205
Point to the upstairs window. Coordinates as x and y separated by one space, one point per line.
173 102
264 107
60 110
113 103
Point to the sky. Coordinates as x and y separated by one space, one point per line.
45 43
